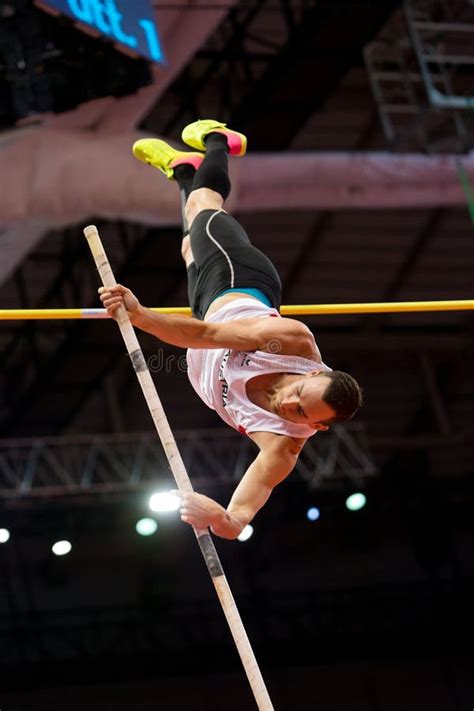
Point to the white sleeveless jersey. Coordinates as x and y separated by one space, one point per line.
219 376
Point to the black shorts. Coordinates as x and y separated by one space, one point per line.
224 258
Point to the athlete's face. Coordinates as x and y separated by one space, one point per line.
301 401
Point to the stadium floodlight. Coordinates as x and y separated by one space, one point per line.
146 526
356 501
162 501
61 548
245 534
313 513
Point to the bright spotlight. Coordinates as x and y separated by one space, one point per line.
313 513
4 535
61 548
245 534
355 502
146 526
163 502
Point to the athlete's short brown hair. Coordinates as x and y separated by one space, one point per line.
343 394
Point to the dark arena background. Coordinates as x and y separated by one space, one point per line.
356 586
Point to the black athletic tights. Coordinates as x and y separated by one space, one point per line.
225 259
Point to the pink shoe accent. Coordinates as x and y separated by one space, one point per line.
192 159
234 140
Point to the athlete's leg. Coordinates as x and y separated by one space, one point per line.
210 185
204 189
219 247
180 166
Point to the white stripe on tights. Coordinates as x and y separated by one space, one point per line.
208 232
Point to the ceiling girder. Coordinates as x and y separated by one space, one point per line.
298 69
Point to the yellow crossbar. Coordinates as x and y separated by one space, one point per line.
291 310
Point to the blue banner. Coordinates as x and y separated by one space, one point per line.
128 22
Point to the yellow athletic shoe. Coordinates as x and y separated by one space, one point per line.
164 157
194 135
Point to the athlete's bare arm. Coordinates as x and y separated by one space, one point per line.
276 459
250 334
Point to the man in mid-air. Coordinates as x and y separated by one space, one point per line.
263 374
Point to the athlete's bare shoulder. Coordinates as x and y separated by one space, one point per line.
308 348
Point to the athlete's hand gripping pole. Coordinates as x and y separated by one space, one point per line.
182 479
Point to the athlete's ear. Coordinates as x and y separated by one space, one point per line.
320 427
